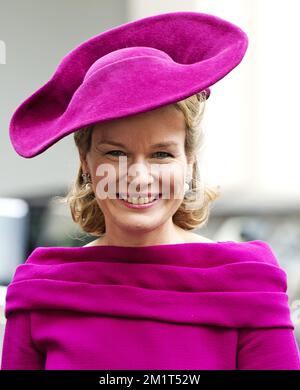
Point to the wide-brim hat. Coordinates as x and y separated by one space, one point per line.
132 68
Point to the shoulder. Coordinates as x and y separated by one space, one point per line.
261 251
244 251
51 255
255 262
242 260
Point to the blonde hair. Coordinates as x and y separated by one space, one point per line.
192 212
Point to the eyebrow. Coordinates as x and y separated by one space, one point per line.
157 145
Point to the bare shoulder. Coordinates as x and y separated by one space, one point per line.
93 243
89 244
194 237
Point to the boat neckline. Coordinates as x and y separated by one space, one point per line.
156 246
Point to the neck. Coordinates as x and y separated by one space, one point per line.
165 234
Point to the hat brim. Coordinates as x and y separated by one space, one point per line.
202 48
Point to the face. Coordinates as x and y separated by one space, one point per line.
125 158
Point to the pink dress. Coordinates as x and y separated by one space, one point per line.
203 306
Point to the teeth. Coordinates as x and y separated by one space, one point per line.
140 200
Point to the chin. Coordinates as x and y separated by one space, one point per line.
139 224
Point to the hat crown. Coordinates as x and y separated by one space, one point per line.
124 54
132 68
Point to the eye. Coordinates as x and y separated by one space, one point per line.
165 153
114 151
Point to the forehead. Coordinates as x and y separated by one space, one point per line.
166 123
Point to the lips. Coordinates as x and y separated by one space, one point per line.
140 195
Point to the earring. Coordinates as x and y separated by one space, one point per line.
187 190
87 181
187 185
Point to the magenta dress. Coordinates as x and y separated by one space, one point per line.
203 306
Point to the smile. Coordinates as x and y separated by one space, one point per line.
138 203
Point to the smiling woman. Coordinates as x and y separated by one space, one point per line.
147 293
139 140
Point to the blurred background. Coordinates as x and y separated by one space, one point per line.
251 123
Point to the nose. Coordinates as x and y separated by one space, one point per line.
140 175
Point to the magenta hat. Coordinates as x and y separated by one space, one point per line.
129 69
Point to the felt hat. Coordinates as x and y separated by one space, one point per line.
129 69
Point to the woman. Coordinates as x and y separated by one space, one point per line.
147 293
164 220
